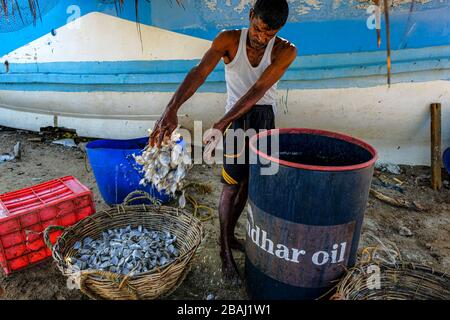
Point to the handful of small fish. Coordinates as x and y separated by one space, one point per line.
165 167
126 250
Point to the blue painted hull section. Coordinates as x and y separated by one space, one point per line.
310 72
336 48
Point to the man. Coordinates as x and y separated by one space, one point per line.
255 60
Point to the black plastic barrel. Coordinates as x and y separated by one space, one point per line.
304 221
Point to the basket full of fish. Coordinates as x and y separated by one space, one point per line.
130 252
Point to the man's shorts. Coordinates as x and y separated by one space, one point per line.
236 160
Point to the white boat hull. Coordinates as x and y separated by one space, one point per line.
394 119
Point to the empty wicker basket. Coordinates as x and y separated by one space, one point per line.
154 284
404 281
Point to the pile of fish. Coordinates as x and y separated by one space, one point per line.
165 167
126 250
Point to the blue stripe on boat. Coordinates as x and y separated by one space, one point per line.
311 72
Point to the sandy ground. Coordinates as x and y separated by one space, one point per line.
41 161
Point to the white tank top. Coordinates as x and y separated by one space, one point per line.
240 75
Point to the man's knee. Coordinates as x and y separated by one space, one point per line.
230 190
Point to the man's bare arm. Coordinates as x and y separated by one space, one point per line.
197 76
194 79
269 77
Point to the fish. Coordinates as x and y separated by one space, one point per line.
123 250
165 167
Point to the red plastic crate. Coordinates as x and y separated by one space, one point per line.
25 213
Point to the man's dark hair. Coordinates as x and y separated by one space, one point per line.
274 13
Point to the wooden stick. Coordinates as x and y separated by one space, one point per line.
388 41
401 203
378 23
436 161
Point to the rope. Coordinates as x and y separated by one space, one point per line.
196 207
203 189
376 253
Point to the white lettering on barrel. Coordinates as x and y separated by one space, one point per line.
343 246
319 258
265 241
282 252
315 258
334 253
296 253
255 235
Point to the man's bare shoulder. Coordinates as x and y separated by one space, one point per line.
284 46
229 36
284 50
227 41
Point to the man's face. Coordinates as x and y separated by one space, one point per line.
259 34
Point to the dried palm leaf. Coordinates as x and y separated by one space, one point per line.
5 7
18 10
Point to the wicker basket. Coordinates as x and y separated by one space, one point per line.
154 284
404 281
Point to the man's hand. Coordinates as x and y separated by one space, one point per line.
163 128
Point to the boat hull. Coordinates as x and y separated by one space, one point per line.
397 124
89 68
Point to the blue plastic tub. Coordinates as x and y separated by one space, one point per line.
117 173
446 159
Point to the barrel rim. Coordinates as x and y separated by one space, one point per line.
326 133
